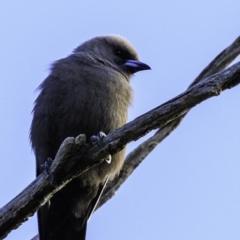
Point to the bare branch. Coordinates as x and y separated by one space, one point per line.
132 161
79 157
221 61
141 152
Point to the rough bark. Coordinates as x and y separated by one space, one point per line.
136 157
75 157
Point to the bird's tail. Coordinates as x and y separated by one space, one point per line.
82 233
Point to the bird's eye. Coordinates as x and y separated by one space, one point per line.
118 52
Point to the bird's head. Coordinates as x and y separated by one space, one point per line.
114 51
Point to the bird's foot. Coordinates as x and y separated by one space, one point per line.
45 168
96 139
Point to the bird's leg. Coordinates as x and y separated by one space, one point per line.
46 166
96 139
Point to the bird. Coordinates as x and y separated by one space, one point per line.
86 92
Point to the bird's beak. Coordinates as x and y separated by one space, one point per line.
135 66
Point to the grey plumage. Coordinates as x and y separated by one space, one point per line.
86 92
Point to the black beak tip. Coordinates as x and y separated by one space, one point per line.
147 67
136 66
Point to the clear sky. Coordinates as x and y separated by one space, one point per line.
189 187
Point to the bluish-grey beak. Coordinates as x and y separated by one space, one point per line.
136 66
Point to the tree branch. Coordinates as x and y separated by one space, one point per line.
135 158
78 157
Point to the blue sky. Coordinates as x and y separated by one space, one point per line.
189 187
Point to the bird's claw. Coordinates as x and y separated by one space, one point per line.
109 159
45 168
96 139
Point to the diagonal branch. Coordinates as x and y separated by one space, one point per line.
78 157
136 157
